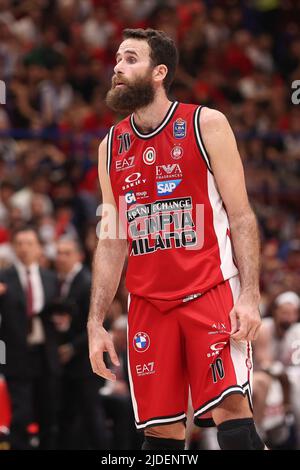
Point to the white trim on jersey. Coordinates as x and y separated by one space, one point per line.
199 139
221 225
109 148
212 404
134 402
154 421
156 131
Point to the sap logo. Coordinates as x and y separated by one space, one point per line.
125 164
296 93
130 197
167 187
145 369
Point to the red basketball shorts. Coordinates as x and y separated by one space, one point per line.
174 346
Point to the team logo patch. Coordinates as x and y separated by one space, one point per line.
179 128
149 156
141 342
249 363
176 152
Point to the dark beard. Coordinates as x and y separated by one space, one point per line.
133 96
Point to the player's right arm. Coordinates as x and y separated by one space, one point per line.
107 268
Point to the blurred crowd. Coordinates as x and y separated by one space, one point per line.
56 60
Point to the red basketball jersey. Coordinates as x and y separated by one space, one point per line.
176 223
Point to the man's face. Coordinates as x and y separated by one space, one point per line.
132 84
285 316
67 256
27 247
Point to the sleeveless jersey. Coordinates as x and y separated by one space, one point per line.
176 224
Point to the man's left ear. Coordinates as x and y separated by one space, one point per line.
160 72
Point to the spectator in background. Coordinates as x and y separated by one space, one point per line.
31 369
56 96
276 354
6 191
80 409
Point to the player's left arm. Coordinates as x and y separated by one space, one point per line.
228 171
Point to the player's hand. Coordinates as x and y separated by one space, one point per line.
245 320
100 341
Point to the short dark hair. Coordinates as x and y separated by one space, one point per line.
26 228
162 50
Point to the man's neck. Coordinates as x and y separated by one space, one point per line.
26 265
149 117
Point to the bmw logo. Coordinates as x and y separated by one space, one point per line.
141 342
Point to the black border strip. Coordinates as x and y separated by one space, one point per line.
199 140
159 128
109 148
243 390
144 424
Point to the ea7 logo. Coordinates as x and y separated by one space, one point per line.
296 93
145 369
125 163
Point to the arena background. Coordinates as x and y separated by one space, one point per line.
241 57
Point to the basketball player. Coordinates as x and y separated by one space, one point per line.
193 307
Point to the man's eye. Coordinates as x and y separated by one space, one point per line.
131 59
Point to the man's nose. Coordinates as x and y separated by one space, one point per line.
118 67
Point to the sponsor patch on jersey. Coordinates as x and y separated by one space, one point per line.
145 369
125 163
249 363
176 152
141 342
133 180
179 128
172 170
167 187
149 156
160 206
130 197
